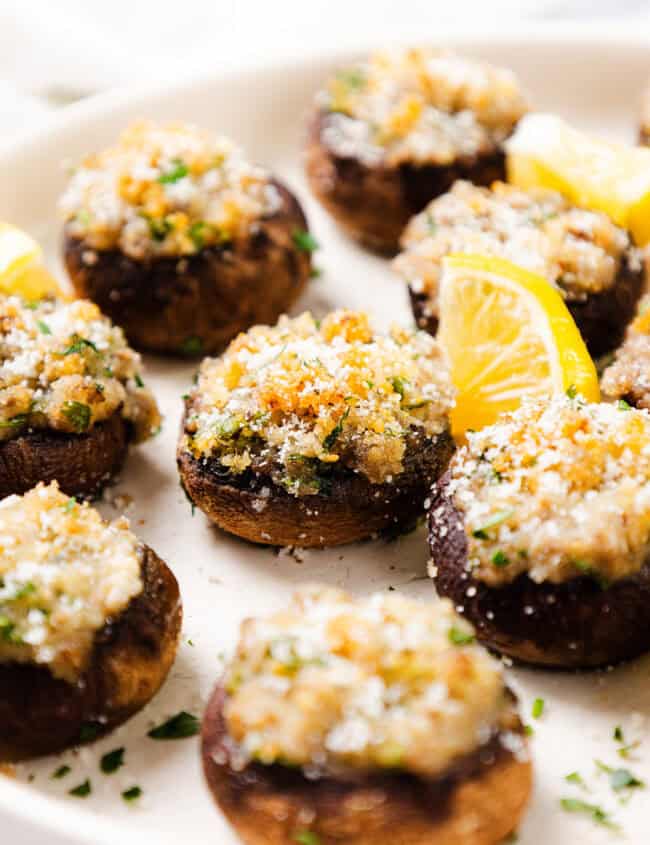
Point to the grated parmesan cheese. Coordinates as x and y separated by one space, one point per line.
64 573
167 189
558 490
382 682
421 106
303 397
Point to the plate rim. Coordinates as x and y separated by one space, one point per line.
29 813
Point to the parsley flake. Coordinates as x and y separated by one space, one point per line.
304 241
78 415
622 405
178 171
180 726
132 794
43 327
82 791
572 391
192 346
61 772
499 559
495 519
79 345
459 637
598 815
538 708
112 761
306 837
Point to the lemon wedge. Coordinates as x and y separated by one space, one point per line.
600 175
507 335
21 265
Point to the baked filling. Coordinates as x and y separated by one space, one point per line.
64 573
422 106
558 489
580 252
64 366
629 374
303 398
165 190
381 683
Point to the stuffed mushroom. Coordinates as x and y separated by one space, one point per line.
71 397
89 623
590 261
540 533
182 241
316 433
394 131
627 378
372 720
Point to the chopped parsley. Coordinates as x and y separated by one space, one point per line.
196 233
14 422
353 78
304 241
622 405
78 414
315 272
597 814
112 761
159 228
399 385
132 794
495 519
138 380
43 327
178 171
459 637
61 772
335 433
306 837
79 344
575 778
620 779
82 791
8 631
626 748
180 726
192 346
538 708
69 505
499 559
572 391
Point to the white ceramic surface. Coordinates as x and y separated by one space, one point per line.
594 81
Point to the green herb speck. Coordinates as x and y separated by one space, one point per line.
180 726
112 761
304 241
597 814
43 327
178 171
78 414
132 794
82 791
459 637
306 837
61 772
537 708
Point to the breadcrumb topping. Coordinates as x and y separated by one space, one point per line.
165 189
628 377
64 573
64 366
557 489
384 682
304 397
580 252
419 105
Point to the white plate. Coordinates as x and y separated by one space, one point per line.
594 81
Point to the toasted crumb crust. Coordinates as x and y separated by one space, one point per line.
477 804
374 203
131 658
196 304
81 463
353 510
574 625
